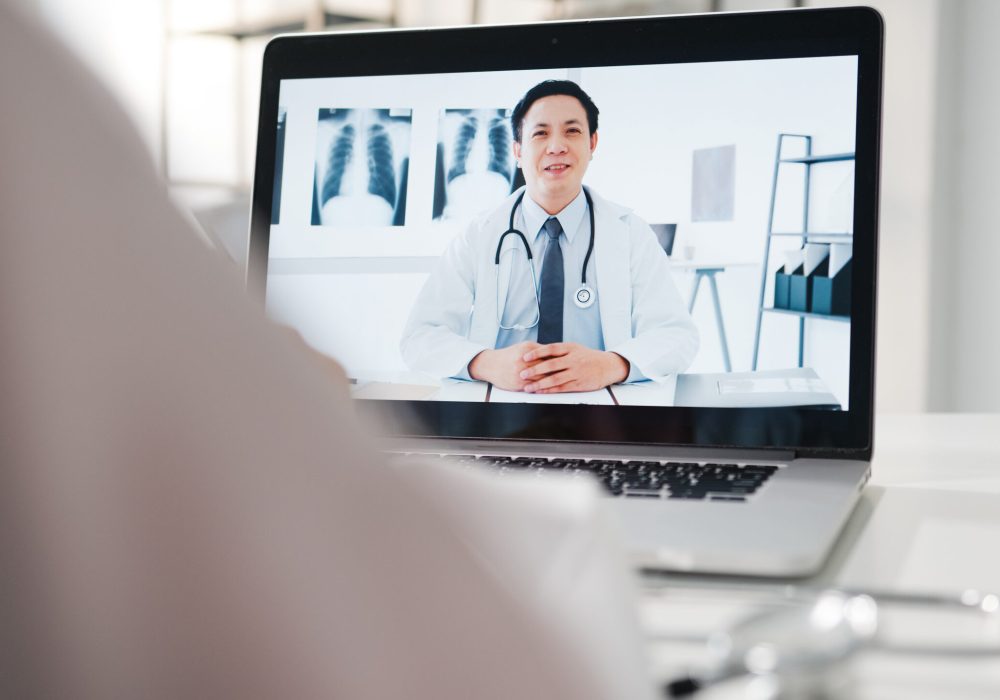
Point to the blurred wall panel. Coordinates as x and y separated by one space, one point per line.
202 91
121 42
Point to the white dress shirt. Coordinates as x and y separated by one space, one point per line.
581 326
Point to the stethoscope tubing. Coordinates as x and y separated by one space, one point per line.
584 295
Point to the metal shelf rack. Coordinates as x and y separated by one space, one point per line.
808 161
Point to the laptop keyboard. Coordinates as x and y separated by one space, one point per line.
649 479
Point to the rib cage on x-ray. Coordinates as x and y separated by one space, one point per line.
279 165
340 155
480 143
463 142
381 173
363 145
498 138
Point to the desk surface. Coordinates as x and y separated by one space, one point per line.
783 387
929 521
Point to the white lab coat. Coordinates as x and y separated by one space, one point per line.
643 317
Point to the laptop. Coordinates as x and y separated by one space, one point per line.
722 394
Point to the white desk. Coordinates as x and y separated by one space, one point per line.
797 386
929 521
784 387
413 386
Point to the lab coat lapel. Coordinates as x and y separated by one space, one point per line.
611 253
501 275
484 327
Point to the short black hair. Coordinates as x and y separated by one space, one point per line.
547 88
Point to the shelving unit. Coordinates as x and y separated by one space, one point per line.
808 161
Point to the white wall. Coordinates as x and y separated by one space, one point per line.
908 169
965 319
122 43
939 331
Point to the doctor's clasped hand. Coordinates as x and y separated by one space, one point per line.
548 369
503 368
557 289
572 367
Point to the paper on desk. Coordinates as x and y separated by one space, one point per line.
840 254
600 397
460 390
813 254
772 385
646 393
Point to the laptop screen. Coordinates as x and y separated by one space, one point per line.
655 234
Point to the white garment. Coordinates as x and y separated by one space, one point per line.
522 303
188 505
643 316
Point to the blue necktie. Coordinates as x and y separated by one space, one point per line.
550 304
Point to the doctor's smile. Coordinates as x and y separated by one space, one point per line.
557 289
554 143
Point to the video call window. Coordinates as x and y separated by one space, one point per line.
383 178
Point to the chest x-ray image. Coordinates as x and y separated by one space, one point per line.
475 168
362 164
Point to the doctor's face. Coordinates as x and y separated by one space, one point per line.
555 149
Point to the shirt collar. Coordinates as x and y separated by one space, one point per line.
569 218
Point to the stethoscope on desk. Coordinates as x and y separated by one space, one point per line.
584 295
799 643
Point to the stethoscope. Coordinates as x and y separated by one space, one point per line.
584 295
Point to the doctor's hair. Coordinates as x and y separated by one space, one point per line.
547 88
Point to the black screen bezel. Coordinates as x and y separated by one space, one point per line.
648 40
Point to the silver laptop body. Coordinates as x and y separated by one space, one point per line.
755 134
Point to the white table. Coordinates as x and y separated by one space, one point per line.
413 386
929 521
783 387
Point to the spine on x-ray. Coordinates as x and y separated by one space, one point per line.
340 156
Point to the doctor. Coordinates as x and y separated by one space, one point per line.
592 305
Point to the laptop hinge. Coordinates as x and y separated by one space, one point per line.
582 450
